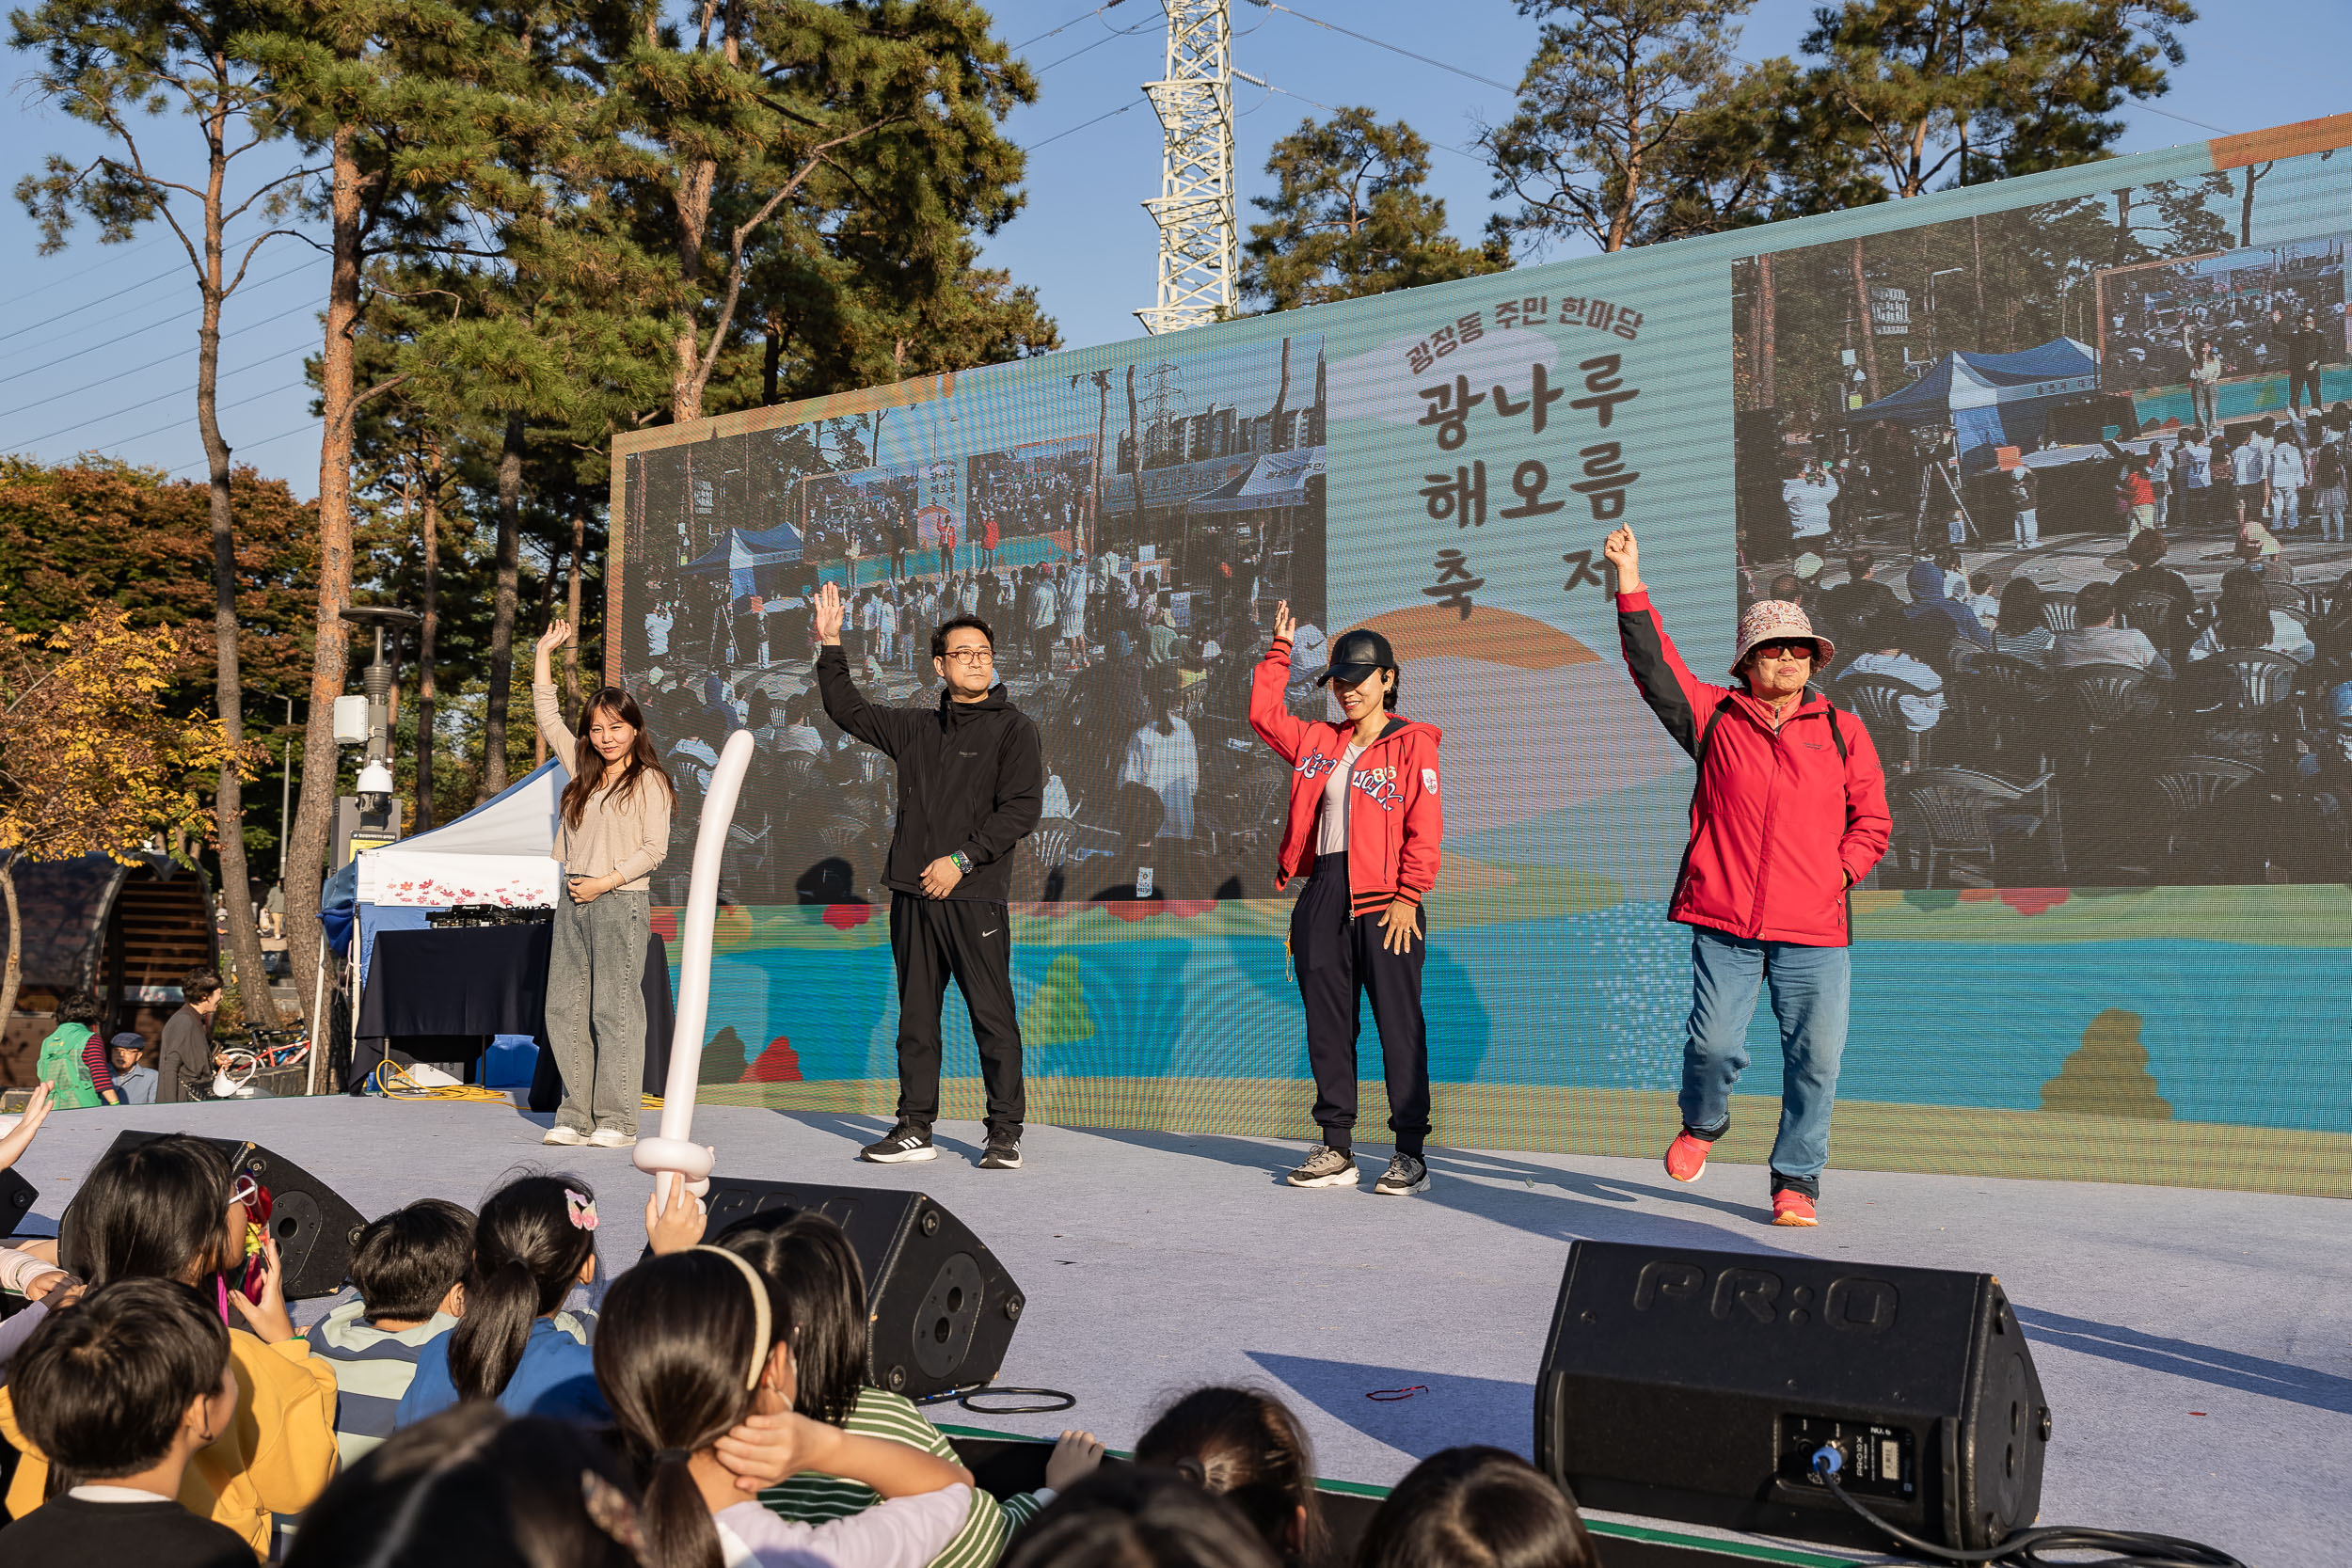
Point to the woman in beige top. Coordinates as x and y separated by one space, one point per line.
611 832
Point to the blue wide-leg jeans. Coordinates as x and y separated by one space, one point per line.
1811 997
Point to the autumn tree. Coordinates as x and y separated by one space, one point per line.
1348 217
117 65
91 762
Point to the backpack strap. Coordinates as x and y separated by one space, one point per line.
1837 736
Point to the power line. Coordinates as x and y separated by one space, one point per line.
1261 82
1065 27
93 304
141 331
79 276
1383 43
183 392
298 430
299 381
1080 126
135 369
1107 38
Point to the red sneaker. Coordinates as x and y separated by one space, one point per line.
1791 1207
1686 1157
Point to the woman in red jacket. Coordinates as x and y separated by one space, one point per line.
1789 814
1365 824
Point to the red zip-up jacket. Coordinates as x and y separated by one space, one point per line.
1394 822
1780 826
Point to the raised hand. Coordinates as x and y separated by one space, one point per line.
1285 625
1625 556
541 670
829 615
20 1137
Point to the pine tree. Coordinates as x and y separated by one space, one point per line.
1349 217
1631 125
113 64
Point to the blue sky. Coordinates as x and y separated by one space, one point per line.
97 343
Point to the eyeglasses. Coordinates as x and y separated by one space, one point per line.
1784 650
971 656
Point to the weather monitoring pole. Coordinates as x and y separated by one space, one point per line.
1199 251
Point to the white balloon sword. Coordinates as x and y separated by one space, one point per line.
676 1152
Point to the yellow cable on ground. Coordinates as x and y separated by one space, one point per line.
393 1081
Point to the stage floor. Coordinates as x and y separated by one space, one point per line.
2195 1344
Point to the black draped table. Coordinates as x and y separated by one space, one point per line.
438 995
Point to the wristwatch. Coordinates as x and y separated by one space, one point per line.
963 861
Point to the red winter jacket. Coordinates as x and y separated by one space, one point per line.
1394 823
1780 826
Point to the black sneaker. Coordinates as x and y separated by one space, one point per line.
904 1144
1324 1166
1002 1154
1406 1173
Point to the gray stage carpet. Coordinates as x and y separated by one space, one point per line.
2196 1345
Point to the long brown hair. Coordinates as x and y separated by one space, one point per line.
588 764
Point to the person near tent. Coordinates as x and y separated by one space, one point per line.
613 830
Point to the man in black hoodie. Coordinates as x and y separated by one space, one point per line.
971 781
2306 346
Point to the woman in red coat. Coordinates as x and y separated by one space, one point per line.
1365 825
1789 814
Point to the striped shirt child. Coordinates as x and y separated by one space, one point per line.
372 1369
812 1498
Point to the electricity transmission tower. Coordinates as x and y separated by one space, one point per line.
1198 247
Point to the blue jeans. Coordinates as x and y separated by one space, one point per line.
1811 995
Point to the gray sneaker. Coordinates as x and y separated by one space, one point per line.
1324 1166
1406 1173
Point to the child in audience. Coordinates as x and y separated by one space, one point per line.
473 1487
121 1393
687 1345
1476 1508
817 1291
1247 1448
1141 1517
410 1267
535 1239
172 1210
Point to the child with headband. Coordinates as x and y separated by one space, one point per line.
690 1361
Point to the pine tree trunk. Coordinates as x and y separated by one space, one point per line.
502 610
571 612
12 971
236 881
428 634
1870 327
306 850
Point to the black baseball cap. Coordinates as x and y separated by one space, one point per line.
1356 655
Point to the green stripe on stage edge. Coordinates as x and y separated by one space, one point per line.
1752 1551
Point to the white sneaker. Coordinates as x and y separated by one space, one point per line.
611 1137
562 1134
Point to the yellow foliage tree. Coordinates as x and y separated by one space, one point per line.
90 761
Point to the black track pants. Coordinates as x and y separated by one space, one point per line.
932 939
1338 960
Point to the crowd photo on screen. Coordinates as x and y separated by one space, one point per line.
2070 500
1127 574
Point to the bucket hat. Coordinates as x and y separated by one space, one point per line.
1774 621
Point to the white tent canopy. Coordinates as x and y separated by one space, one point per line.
501 852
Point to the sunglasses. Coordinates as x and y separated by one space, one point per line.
1784 650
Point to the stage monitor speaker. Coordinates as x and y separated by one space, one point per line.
315 1228
16 1201
942 1308
1697 1386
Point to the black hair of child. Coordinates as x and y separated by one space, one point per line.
816 1292
101 1388
528 1251
405 1264
473 1487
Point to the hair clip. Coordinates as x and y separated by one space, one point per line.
581 1208
610 1511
